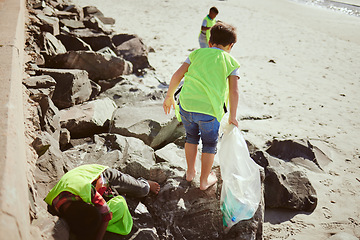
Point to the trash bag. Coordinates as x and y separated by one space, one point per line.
241 189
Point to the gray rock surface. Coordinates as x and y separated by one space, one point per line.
40 86
86 119
135 51
286 183
93 63
72 86
51 45
49 24
73 43
147 122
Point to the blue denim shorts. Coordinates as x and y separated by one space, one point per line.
199 125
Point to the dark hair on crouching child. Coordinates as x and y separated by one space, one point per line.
83 219
223 34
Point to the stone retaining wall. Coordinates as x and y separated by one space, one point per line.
14 197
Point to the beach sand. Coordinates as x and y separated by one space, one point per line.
309 89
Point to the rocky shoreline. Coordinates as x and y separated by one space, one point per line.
91 96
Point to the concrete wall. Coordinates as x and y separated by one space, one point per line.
14 200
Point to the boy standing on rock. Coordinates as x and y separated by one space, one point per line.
211 76
80 198
207 23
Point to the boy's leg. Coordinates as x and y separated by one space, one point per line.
192 142
207 178
209 131
126 184
190 154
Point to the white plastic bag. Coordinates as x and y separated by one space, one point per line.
241 189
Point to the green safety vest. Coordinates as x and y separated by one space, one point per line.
77 181
206 88
209 23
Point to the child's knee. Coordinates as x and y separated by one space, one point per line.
144 191
209 148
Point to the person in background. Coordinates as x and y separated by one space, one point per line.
207 23
90 199
210 80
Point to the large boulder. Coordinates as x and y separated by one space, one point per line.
67 15
129 89
138 158
182 211
173 155
286 182
301 152
95 39
40 85
96 24
72 86
129 146
120 38
72 23
91 150
289 188
112 150
94 63
49 117
49 24
86 119
135 51
51 227
148 122
51 45
73 43
50 167
43 142
74 9
32 47
90 11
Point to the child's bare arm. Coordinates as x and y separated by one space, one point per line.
174 83
233 98
205 28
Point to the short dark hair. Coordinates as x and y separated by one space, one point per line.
214 9
83 219
223 34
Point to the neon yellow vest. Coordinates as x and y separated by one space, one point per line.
209 23
77 181
206 88
122 222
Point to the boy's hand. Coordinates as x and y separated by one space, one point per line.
233 120
168 102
